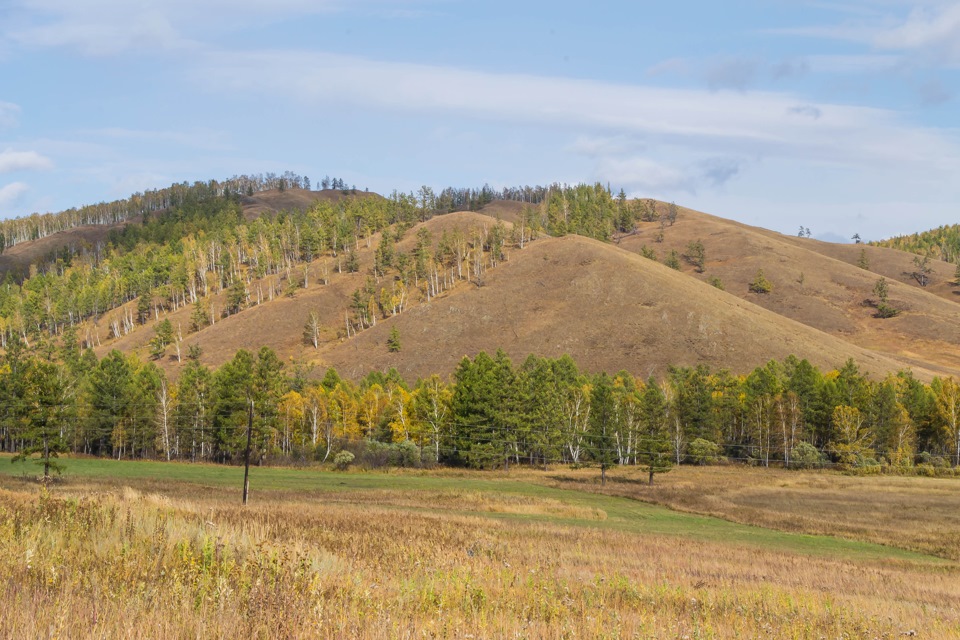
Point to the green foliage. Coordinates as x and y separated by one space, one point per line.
352 264
881 290
393 341
806 456
648 253
717 283
862 261
673 260
163 336
343 460
701 451
942 243
587 210
760 283
696 255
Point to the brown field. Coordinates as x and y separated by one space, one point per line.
140 557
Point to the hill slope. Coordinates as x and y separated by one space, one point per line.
608 309
820 285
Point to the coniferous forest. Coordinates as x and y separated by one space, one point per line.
180 246
492 413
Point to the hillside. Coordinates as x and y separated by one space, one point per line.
820 285
607 308
603 303
279 323
274 200
559 295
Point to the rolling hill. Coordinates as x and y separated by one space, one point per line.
602 303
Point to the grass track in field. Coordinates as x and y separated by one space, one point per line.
622 514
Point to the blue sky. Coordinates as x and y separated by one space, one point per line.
841 116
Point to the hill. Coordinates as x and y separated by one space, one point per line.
601 302
607 308
19 257
820 285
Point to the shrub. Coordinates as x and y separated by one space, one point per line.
937 462
373 453
760 284
343 460
703 451
805 456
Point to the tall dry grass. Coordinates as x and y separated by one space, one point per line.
125 563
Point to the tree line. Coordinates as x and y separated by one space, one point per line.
489 413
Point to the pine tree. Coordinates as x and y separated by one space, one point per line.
602 424
760 284
393 341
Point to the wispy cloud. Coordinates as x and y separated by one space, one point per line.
731 72
933 32
644 175
110 27
712 123
11 160
11 193
929 33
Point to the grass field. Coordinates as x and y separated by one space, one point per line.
165 550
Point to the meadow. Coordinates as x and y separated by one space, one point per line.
147 549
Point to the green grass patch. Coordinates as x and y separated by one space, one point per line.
622 514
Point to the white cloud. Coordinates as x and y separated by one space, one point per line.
711 123
9 194
929 34
646 175
934 32
641 174
23 161
110 27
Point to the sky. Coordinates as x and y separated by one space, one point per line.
841 116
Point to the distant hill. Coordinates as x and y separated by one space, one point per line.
942 243
611 305
820 285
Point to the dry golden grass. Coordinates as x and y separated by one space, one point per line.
175 561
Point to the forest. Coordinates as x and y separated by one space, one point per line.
491 413
201 245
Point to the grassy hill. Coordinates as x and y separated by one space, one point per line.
820 285
603 303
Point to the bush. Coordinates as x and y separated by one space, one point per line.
703 451
760 284
343 460
806 456
373 453
937 462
